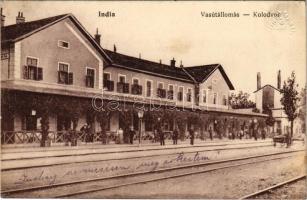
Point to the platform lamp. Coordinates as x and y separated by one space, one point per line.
33 112
140 115
254 126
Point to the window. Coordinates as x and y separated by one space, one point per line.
180 94
189 95
90 77
161 93
170 92
108 85
63 67
32 61
32 71
63 44
225 100
135 81
106 76
214 98
135 87
64 77
122 86
204 96
122 79
148 88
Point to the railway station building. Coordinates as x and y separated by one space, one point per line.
56 76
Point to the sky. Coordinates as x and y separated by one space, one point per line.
163 30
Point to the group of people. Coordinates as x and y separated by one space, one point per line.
160 135
89 136
175 134
248 134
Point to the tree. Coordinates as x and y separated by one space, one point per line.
270 121
240 100
289 100
302 109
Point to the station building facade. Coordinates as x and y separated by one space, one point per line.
55 76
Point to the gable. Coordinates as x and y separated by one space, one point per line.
216 82
17 32
203 72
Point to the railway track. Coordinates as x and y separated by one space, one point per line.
274 187
71 189
8 164
15 155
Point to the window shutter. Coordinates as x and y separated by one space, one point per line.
39 73
25 72
70 78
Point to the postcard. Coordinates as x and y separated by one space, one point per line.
157 99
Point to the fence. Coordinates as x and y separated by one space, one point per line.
32 137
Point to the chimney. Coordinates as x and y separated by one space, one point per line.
173 62
20 18
114 48
140 56
97 37
278 80
181 65
2 18
258 81
160 61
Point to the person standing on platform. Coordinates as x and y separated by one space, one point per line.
120 136
263 133
192 135
131 134
241 134
161 134
210 133
175 136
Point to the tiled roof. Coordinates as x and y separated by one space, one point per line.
12 32
138 64
201 73
198 73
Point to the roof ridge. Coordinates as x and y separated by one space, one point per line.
56 16
207 65
141 59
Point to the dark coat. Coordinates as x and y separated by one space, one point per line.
175 135
192 134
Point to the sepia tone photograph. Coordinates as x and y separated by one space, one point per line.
153 100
